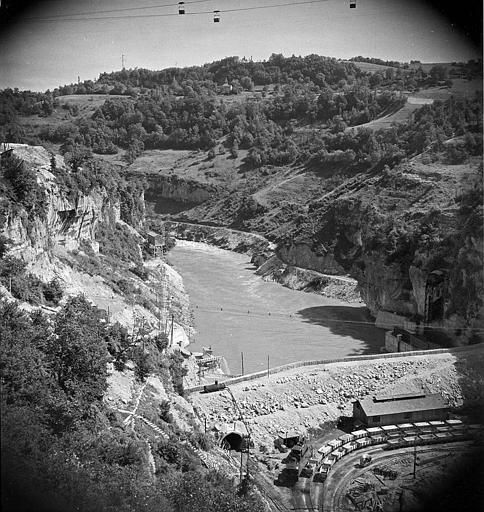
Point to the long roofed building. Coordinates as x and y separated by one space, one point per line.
391 409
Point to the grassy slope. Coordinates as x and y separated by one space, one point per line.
460 89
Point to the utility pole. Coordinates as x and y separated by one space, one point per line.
414 459
242 361
122 60
172 321
241 466
267 365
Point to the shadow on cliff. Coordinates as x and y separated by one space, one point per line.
348 321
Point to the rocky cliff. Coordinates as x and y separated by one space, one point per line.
411 240
171 194
66 220
76 235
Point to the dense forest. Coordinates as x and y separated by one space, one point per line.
186 109
64 449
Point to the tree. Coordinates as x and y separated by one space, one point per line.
438 73
77 353
53 292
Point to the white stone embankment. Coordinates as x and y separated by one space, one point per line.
306 396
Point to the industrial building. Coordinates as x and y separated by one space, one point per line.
156 243
392 409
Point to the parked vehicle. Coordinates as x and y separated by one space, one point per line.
322 473
216 386
365 460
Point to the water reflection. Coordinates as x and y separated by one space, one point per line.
355 322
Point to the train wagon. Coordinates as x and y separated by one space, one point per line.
338 453
455 424
292 464
410 440
308 470
328 461
475 427
436 423
358 434
428 438
374 430
322 473
424 427
348 448
346 438
325 450
378 439
404 426
445 428
460 435
390 429
335 443
443 437
392 444
361 443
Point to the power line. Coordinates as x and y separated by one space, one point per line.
145 7
139 16
296 316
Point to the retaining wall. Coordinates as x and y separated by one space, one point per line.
298 364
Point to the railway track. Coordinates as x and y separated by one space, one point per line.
335 499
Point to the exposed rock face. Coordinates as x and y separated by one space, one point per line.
171 194
238 241
272 268
303 255
415 251
67 221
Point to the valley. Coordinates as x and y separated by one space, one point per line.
300 230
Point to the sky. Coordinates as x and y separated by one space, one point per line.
53 42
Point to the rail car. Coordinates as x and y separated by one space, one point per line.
393 437
335 443
358 434
325 450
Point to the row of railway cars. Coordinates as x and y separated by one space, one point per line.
392 436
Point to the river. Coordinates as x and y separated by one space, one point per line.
236 311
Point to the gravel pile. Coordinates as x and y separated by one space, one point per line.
306 397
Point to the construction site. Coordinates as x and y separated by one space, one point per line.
384 435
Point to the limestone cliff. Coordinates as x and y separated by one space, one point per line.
67 219
60 240
413 242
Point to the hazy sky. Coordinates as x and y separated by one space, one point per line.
38 54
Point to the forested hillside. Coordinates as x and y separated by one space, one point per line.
265 105
66 444
274 147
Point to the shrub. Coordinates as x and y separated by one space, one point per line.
143 364
52 292
165 413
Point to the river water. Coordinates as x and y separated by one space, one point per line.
236 311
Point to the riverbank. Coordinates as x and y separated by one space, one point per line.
269 264
304 398
236 312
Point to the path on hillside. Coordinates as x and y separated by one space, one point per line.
401 115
